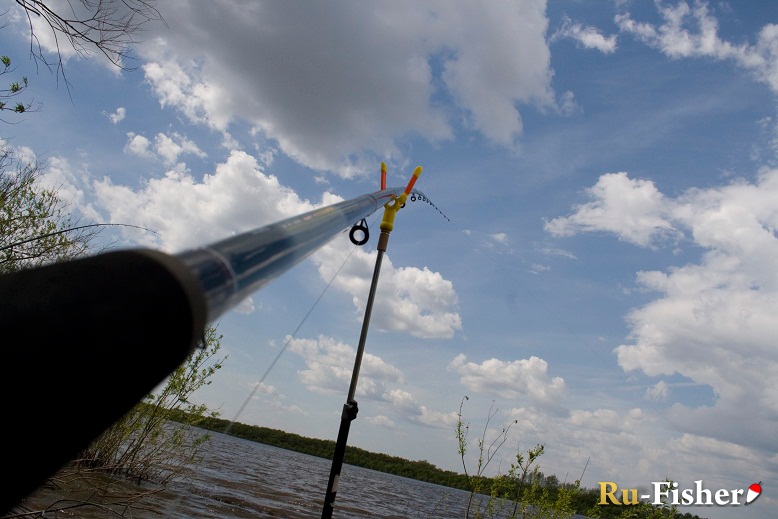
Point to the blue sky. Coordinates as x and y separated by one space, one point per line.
605 273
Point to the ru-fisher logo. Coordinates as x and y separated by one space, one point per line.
668 493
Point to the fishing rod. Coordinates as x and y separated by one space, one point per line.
350 408
85 340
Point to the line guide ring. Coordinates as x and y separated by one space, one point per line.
361 226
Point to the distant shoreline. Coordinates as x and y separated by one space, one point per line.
417 470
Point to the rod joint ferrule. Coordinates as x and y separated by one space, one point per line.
350 410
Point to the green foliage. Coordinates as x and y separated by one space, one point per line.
522 491
478 484
156 440
34 227
14 89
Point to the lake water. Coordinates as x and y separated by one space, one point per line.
243 479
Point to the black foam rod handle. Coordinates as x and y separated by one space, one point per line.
82 342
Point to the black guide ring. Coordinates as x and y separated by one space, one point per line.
413 197
361 226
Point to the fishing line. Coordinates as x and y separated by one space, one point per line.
417 195
289 339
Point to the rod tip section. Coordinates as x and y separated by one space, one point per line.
412 181
391 207
383 176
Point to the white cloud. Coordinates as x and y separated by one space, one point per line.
659 391
401 400
267 389
714 321
118 115
330 365
45 37
554 251
188 213
382 421
71 183
630 445
439 419
501 59
634 210
170 147
189 90
408 299
167 148
567 104
500 237
675 39
589 37
362 82
405 405
525 379
138 145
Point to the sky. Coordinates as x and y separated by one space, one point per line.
597 269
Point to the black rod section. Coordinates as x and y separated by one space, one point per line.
84 341
350 408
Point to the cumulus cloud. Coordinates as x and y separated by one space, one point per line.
45 36
659 391
187 212
166 147
525 379
362 82
190 91
170 147
118 115
713 321
403 403
692 31
382 421
70 182
412 300
632 209
330 365
138 145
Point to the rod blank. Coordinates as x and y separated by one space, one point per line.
86 340
234 268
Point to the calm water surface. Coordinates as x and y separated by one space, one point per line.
241 479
